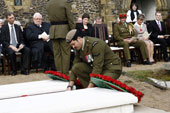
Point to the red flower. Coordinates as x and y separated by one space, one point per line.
83 29
119 23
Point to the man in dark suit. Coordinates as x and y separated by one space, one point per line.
13 42
39 42
158 34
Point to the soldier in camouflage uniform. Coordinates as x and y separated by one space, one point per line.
125 36
92 56
60 16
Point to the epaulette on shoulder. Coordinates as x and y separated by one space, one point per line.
69 1
94 43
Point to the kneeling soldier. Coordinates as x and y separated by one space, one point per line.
92 55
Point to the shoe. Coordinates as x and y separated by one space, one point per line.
128 64
147 63
166 59
24 72
13 73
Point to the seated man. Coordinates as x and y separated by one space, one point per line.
125 36
158 34
39 42
92 56
13 42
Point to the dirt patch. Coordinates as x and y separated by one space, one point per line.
154 97
8 79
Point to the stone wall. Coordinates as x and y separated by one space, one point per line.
108 9
168 2
22 13
4 9
92 7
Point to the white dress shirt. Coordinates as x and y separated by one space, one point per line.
9 25
128 19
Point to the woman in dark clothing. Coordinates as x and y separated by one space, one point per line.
84 28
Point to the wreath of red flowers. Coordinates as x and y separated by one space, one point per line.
63 76
123 87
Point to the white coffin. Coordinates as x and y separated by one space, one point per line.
31 88
91 100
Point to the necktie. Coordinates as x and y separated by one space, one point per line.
160 27
14 42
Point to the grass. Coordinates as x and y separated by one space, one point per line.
143 74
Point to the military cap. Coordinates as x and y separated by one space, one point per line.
122 15
71 35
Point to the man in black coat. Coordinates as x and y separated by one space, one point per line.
13 42
158 34
39 42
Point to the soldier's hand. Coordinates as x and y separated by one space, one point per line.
70 86
91 85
